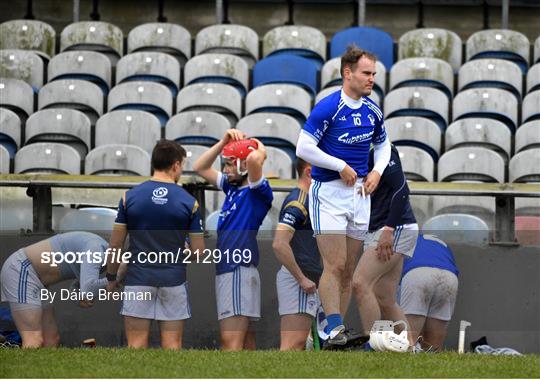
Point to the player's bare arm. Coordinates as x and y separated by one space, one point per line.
255 161
116 243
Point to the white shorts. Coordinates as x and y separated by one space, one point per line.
239 293
430 292
336 208
292 299
163 304
404 239
20 283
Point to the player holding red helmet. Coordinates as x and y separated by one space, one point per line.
248 199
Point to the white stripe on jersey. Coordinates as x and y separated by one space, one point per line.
341 105
374 108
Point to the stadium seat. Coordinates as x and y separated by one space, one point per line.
17 96
499 43
288 69
216 97
86 65
10 132
528 230
415 131
471 164
528 136
527 206
273 129
61 125
47 157
23 65
421 206
197 127
431 43
331 76
193 152
75 94
97 36
417 164
537 50
149 66
145 96
167 38
418 101
4 160
531 106
430 72
458 228
31 35
481 207
525 166
278 164
117 159
533 78
129 127
237 40
281 98
329 90
92 219
17 209
491 72
489 133
218 68
303 41
374 40
487 103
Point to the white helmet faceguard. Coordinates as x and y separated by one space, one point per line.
383 338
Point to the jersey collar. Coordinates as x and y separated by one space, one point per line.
350 102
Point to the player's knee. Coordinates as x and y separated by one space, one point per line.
360 287
337 270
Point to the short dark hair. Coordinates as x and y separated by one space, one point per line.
166 153
352 55
300 166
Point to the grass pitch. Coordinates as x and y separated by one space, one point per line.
121 362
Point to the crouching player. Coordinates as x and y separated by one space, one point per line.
393 233
296 249
248 199
28 273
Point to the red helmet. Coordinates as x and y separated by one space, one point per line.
239 149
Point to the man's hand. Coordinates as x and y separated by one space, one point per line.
260 148
111 286
372 181
307 285
348 175
233 135
385 244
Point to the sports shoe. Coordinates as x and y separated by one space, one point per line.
346 340
339 336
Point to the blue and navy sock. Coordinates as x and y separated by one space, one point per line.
334 320
367 347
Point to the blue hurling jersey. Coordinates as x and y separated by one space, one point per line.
241 216
345 128
430 252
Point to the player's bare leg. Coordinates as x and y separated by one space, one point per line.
28 323
249 340
171 334
416 325
369 270
233 332
333 249
354 247
295 329
137 331
51 336
434 333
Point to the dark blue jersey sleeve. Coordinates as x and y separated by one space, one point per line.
195 225
394 178
121 216
293 214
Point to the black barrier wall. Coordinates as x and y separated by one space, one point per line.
499 293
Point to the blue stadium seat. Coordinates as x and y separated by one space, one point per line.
10 133
491 72
218 68
33 35
458 228
130 127
150 66
142 95
419 132
85 65
23 65
286 68
491 103
499 43
303 41
168 38
374 40
60 125
197 127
